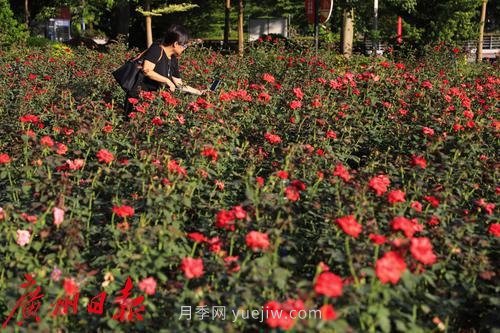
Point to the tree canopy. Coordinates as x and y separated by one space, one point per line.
424 20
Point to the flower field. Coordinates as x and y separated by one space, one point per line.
326 195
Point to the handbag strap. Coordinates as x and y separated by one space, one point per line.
142 53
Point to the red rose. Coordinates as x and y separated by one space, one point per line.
260 181
257 240
341 171
174 167
46 141
29 118
328 284
427 84
433 220
4 158
295 104
272 310
331 134
292 193
409 227
104 156
280 314
197 237
272 138
239 212
298 93
379 184
225 219
268 78
70 286
428 131
210 152
215 244
123 211
421 249
416 206
432 200
396 196
328 312
264 97
192 268
390 267
282 174
349 225
487 206
61 148
377 239
299 185
291 308
231 264
494 229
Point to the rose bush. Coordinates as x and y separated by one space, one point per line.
365 189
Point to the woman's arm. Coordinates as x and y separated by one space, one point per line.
185 88
148 70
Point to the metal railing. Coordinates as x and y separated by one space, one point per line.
491 46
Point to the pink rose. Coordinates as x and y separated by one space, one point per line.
58 216
23 237
148 285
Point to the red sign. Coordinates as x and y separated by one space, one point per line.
325 10
64 13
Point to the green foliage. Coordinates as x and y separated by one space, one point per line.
11 31
167 9
448 20
35 41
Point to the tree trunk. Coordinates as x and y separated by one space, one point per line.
227 21
240 28
149 28
479 53
348 32
27 13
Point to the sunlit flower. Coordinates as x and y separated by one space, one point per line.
23 237
192 268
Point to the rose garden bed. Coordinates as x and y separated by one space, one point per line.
363 189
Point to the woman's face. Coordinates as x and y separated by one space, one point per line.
179 48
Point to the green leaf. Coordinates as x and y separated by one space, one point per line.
281 276
383 319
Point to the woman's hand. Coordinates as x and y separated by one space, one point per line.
171 86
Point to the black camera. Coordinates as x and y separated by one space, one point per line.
215 84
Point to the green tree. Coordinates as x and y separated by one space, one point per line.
429 20
91 14
148 14
11 31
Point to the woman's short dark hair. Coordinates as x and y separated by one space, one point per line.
175 33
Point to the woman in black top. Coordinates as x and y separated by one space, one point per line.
161 67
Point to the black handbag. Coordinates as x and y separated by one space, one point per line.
129 74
